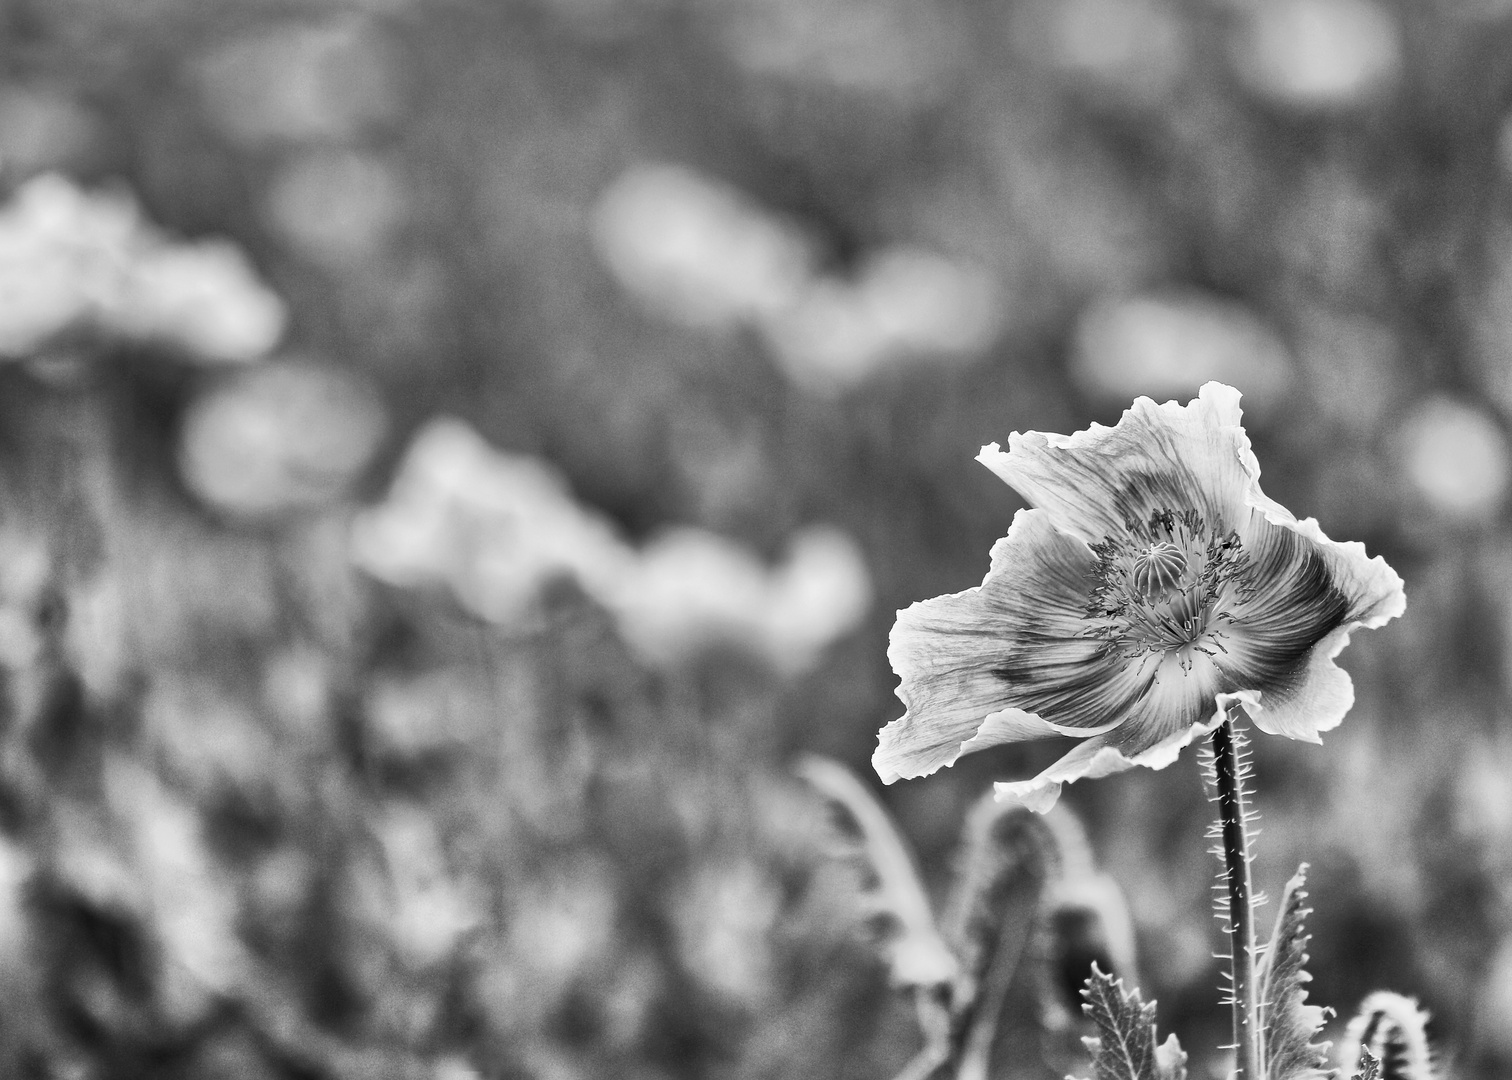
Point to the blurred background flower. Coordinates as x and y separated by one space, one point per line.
454 457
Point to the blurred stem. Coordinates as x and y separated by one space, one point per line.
1234 833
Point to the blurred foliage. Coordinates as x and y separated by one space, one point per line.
738 287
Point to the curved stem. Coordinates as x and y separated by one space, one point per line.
1234 834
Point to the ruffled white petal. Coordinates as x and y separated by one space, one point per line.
1012 659
1098 757
1322 696
1195 455
1374 589
1310 594
1002 662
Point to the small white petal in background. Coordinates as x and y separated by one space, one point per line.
694 588
562 921
819 593
494 528
337 207
722 919
697 251
299 82
1317 53
73 258
1167 346
454 1068
893 48
1494 1000
64 255
905 305
280 438
1135 47
703 254
15 873
205 297
425 906
1456 456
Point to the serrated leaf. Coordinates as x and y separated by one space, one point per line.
1287 1022
1370 1067
1124 1048
916 953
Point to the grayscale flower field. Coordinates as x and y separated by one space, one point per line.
747 539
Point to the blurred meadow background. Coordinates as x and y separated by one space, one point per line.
456 455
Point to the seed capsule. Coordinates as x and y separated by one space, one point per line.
1157 571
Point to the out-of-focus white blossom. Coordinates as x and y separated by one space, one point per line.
337 207
454 1068
561 921
412 716
1494 999
703 254
1317 53
427 907
906 303
279 438
695 250
693 588
25 572
494 528
1456 456
903 50
16 867
722 919
1170 345
205 296
148 858
299 82
1133 47
63 257
74 259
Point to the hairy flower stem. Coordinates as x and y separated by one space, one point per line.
1234 834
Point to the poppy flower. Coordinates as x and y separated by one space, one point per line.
1150 588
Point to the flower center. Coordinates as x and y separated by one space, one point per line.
1158 570
1164 587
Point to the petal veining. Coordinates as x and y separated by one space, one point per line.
975 666
1169 455
1290 603
1151 588
1315 701
1103 756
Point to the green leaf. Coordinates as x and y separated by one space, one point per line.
1124 1048
1287 1022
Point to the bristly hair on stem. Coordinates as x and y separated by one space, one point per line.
1226 767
